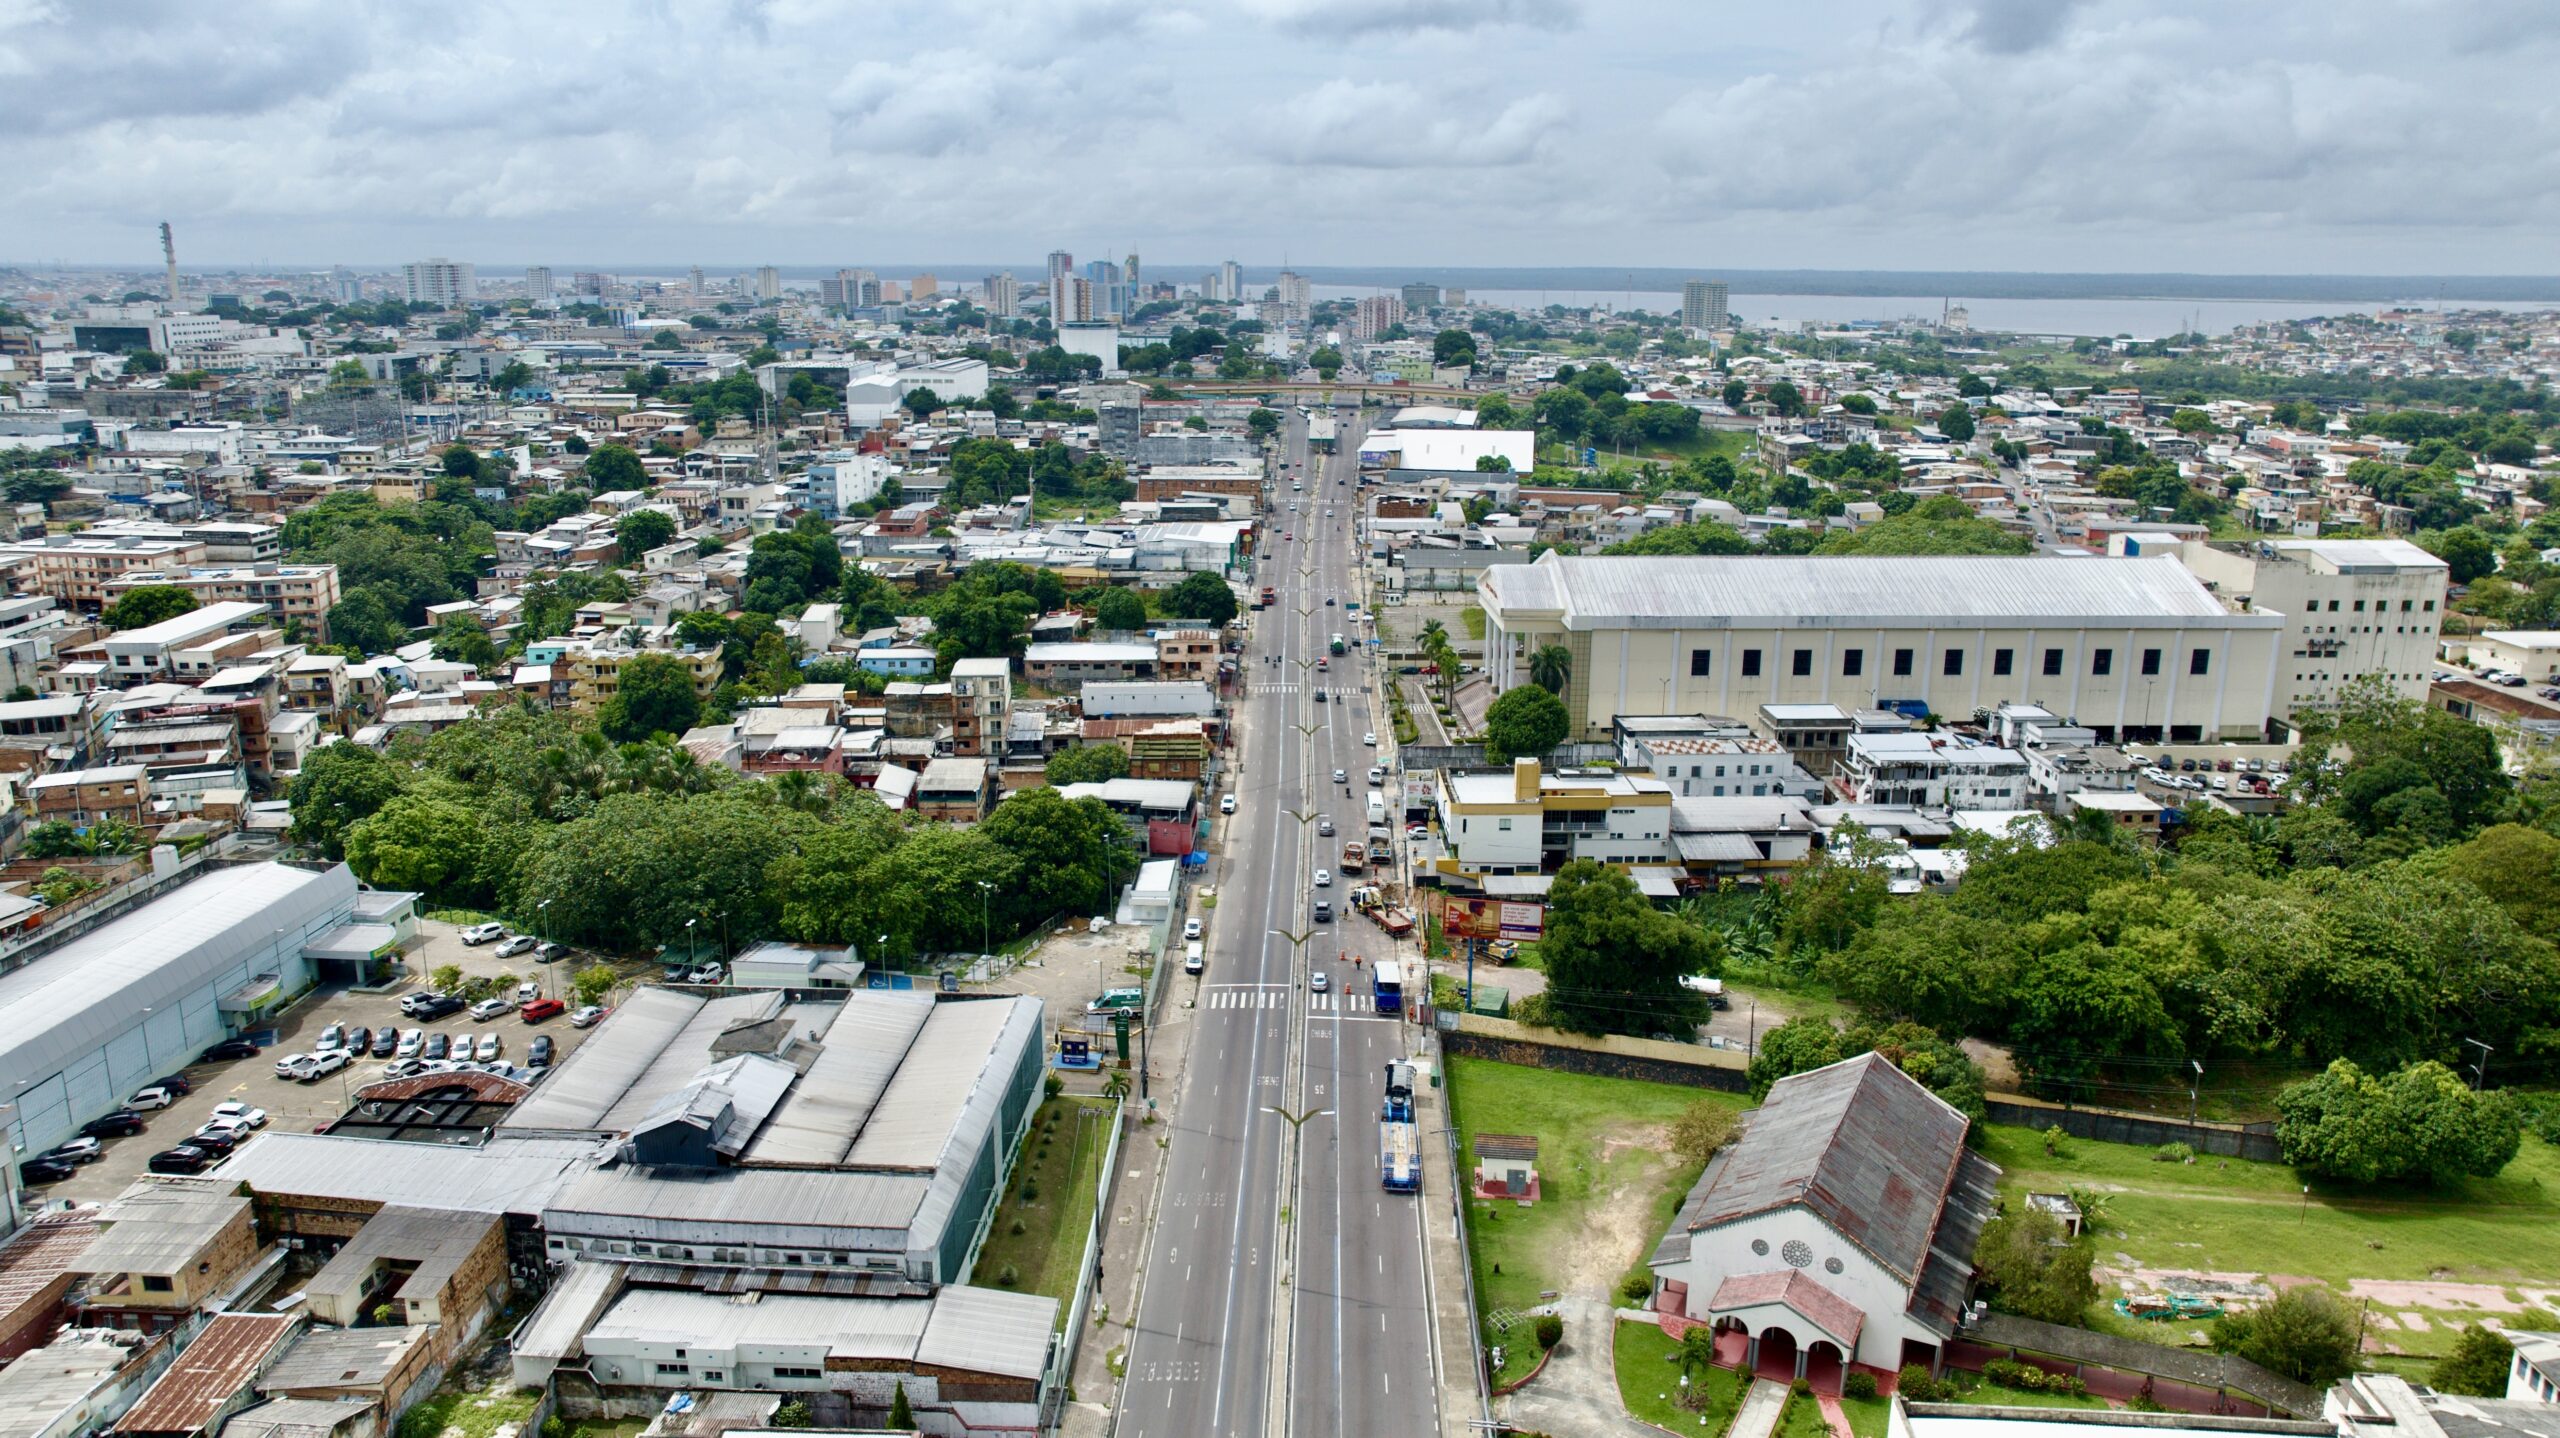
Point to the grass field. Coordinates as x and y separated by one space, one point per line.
2232 1215
1608 1184
1802 1418
1867 1416
474 1413
1471 619
1649 1377
1973 1388
1064 1165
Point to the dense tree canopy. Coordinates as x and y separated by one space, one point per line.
1524 722
149 604
1613 961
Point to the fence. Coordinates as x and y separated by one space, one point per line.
2251 1141
1471 756
1054 1394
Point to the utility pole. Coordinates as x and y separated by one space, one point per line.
2192 1090
2480 1070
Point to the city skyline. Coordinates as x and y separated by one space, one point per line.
2289 139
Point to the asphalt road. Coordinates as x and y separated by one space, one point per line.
1230 1339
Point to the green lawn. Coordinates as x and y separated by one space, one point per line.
1727 442
1802 1418
1065 1165
1602 1168
1649 1380
1973 1388
1472 618
2237 1216
1867 1416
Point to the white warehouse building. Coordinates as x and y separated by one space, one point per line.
2130 648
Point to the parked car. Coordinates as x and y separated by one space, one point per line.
1377 776
1190 929
332 1037
178 1084
528 991
75 1151
488 1009
41 1169
438 1045
538 1056
442 1005
550 953
123 1123
490 1046
185 1158
228 1049
154 1097
479 934
292 1065
359 1040
232 1110
541 1009
386 1042
412 1042
412 1005
214 1139
706 974
1226 803
517 944
586 1017
322 1064
1370 739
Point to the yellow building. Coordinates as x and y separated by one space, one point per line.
592 676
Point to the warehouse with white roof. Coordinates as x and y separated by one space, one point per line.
2133 648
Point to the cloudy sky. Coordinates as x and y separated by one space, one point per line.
2301 136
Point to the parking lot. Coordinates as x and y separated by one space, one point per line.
302 1107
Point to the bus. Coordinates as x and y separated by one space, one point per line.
1387 986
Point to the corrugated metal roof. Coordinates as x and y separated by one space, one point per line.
577 1295
39 1254
849 1327
818 1198
1859 1143
987 1330
657 1042
343 1357
1885 592
505 1175
863 1049
913 1124
159 1228
436 1241
36 1387
296 1418
211 1372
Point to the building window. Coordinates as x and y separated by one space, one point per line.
1699 660
2102 661
1853 661
1750 663
156 1283
2003 661
1955 663
2200 661
1902 664
674 1368
2052 662
2359 606
1803 663
2150 662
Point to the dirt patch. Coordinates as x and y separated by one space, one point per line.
1999 1074
1619 1230
2403 1293
1649 1138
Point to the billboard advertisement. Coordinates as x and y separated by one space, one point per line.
1492 919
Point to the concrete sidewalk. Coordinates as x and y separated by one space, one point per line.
1760 1409
1453 1328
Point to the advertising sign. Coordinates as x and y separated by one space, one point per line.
1492 919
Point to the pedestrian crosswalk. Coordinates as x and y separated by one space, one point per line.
1261 997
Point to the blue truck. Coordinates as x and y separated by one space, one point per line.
1399 1137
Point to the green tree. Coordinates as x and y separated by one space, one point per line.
1326 362
1786 398
2420 1124
655 695
921 402
145 362
1551 668
636 867
461 640
460 461
1705 537
1119 610
1613 961
2476 1366
1734 393
615 467
1204 596
1526 721
1940 525
1088 764
148 604
339 786
1956 422
1263 422
793 1413
1453 347
1800 1045
426 842
2467 553
2306 1333
2518 868
902 1419
643 530
595 984
2033 1270
1070 854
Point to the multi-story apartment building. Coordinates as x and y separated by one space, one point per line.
1187 654
1528 821
74 569
151 652
590 676
1933 771
2352 609
1702 306
87 796
439 282
981 698
297 593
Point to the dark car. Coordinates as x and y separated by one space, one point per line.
358 1039
444 1004
185 1158
229 1049
386 1041
539 1056
122 1123
217 1143
44 1170
438 1045
178 1084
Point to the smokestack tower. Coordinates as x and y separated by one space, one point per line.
169 251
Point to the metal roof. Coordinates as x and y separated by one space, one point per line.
39 1255
853 1328
296 1418
1859 1143
951 1065
344 1357
986 1330
38 1387
813 1198
577 1295
1883 592
862 1051
436 1242
656 1042
68 1002
159 1228
210 1373
506 1175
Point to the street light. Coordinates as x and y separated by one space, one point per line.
984 889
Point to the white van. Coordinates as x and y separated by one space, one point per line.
1194 959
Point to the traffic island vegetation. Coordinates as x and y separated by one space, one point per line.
1037 1242
1608 1178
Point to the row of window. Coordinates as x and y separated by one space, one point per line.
2380 606
1853 662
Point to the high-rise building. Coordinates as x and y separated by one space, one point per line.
693 282
1230 281
768 283
1062 268
588 284
1110 290
1004 295
344 287
1702 305
849 289
1078 307
923 287
1295 295
1135 284
442 283
1419 296
537 284
1374 316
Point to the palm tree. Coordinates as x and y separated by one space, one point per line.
1551 668
1115 1084
1434 634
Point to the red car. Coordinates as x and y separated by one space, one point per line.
541 1009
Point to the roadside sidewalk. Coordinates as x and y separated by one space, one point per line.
1453 1334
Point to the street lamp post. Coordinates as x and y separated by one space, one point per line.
542 932
985 889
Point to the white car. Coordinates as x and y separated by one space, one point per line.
490 1046
520 944
1190 929
586 1017
1324 878
323 1063
240 1115
488 1009
411 1042
1227 804
1377 776
1320 982
479 934
154 1097
292 1065
1342 776
1369 739
528 991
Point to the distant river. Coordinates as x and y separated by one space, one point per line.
2141 319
